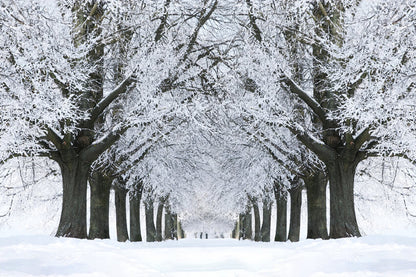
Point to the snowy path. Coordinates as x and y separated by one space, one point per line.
48 256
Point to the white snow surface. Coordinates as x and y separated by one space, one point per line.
41 255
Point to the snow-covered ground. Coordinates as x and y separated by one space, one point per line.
375 255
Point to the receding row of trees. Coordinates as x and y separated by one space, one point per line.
338 96
253 99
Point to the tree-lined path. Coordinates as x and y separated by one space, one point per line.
208 115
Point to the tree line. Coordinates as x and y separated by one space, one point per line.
155 96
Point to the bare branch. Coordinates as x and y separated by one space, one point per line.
254 28
54 138
163 22
312 103
105 102
323 151
362 138
93 151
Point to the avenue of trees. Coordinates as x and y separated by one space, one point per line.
211 111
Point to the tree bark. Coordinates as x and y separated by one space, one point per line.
181 232
316 196
343 222
248 224
245 230
241 229
159 220
135 231
170 229
100 185
267 216
295 212
73 221
256 211
150 224
175 225
281 216
121 218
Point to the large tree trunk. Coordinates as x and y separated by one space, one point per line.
121 219
343 222
295 211
267 217
135 231
256 211
281 215
316 194
73 221
100 185
150 224
159 216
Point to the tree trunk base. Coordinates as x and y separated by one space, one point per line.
73 221
316 197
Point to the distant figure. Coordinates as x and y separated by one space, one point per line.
200 236
206 235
